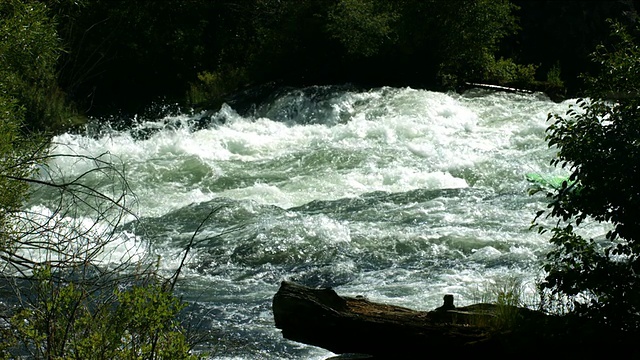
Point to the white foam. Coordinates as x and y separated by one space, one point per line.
46 236
413 138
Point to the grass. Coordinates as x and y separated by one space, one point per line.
506 299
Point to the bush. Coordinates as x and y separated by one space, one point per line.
214 86
465 35
29 50
71 320
553 77
68 305
598 140
507 72
362 26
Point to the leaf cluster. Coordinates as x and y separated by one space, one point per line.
598 140
72 320
69 303
29 52
17 154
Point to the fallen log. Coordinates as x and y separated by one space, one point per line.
354 325
320 317
499 88
555 92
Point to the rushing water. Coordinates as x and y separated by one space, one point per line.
401 195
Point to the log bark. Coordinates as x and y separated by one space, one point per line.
348 325
499 88
554 92
320 317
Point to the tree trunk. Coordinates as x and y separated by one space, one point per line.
342 325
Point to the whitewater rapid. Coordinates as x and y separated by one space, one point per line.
399 194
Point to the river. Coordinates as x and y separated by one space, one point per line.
398 194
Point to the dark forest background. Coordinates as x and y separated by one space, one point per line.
116 55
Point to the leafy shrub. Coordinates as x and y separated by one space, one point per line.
466 35
70 320
18 154
362 26
598 140
66 306
214 86
29 50
507 72
553 76
72 310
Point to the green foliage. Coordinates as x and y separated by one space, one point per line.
29 50
409 40
29 45
126 54
466 34
598 141
148 314
213 86
363 26
508 296
18 154
10 192
553 77
507 72
289 40
71 320
68 313
566 32
619 67
122 55
72 309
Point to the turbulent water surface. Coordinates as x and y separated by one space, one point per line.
401 195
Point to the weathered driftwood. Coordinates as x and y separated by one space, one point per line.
342 325
346 325
499 88
554 92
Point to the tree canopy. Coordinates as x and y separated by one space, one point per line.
116 54
29 52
